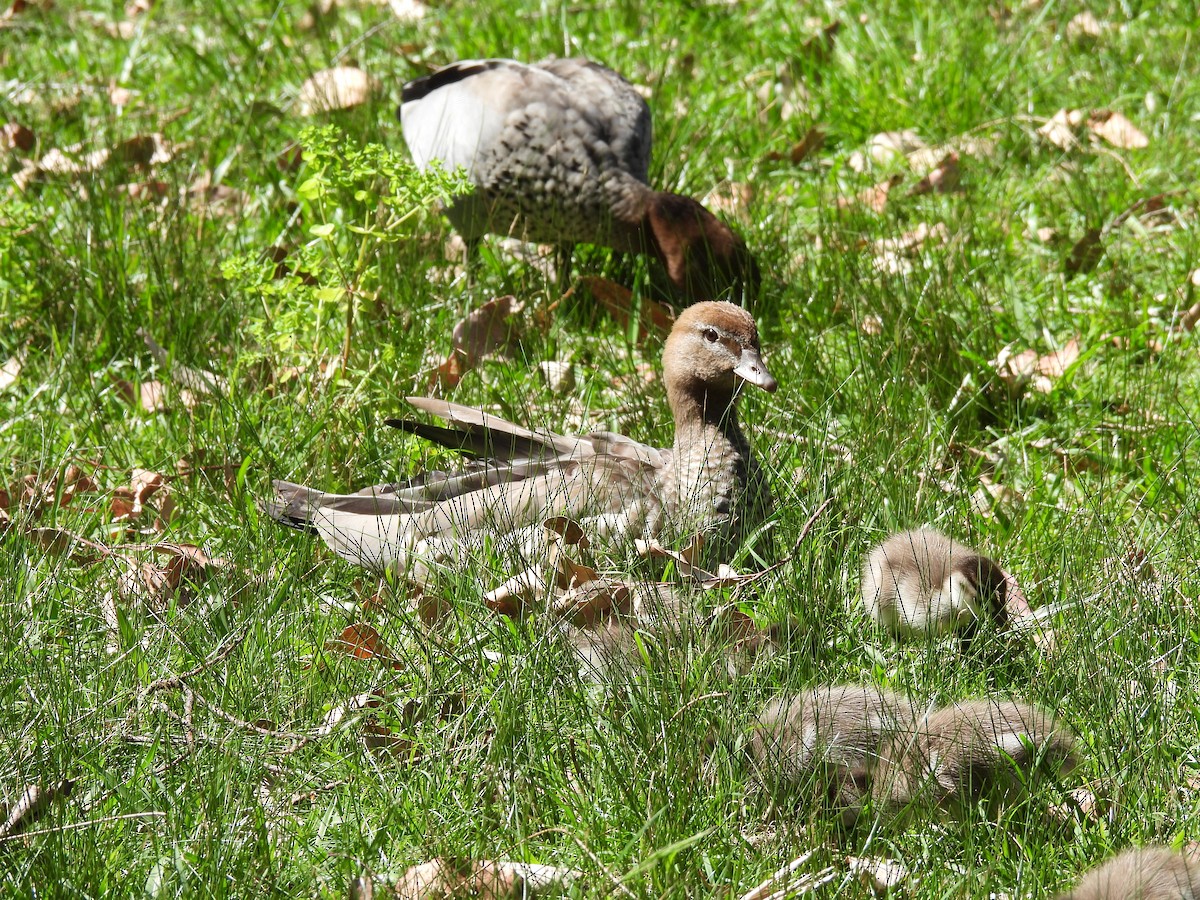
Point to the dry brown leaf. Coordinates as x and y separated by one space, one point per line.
14 136
338 714
1060 129
913 240
217 199
340 87
407 11
819 47
198 381
1086 253
885 147
813 140
362 641
490 328
871 324
873 198
152 397
382 741
1085 28
441 879
59 542
1189 319
593 600
9 372
119 96
32 805
617 301
943 179
1117 130
559 376
731 199
1027 370
882 876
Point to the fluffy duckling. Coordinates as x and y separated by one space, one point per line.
1143 873
825 742
559 152
923 583
969 750
615 486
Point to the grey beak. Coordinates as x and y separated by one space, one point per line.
753 370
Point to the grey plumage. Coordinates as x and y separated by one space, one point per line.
922 582
1145 873
823 744
559 152
968 750
516 477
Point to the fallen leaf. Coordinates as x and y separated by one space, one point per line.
873 198
871 324
32 805
362 641
484 879
559 376
819 47
885 147
882 876
617 301
1189 319
484 331
813 140
14 136
407 11
1117 130
731 199
942 179
152 397
340 87
119 96
381 740
197 381
338 714
9 372
1085 28
1027 370
592 601
1060 129
1086 253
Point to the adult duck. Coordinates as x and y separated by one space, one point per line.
559 152
707 481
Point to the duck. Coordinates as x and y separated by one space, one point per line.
823 744
923 583
1145 873
559 153
515 477
970 750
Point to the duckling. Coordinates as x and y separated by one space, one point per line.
708 481
969 750
825 742
923 583
1143 873
559 152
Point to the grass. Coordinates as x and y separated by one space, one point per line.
513 755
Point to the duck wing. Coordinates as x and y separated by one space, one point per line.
619 114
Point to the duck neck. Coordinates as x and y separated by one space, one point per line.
704 415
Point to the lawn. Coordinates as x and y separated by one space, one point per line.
982 322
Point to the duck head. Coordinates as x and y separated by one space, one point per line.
713 348
704 258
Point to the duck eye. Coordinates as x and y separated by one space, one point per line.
710 335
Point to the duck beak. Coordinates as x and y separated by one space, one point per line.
753 370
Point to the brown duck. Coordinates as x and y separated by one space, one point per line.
559 152
1143 873
708 481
